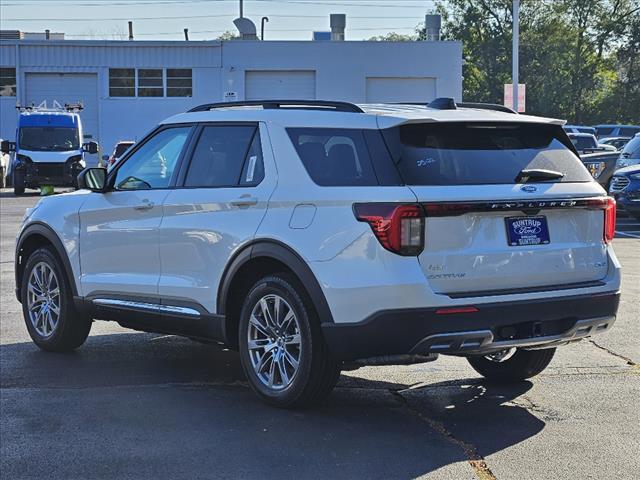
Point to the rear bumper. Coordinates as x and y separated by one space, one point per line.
541 323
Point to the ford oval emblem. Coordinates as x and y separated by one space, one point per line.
529 188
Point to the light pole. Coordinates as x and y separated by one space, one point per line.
515 52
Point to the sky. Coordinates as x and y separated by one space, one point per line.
207 19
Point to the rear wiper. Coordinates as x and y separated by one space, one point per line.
537 175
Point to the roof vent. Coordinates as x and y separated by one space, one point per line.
432 25
246 28
338 22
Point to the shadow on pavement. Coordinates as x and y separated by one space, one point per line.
142 405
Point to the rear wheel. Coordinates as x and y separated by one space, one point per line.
512 365
2 183
18 183
282 349
52 320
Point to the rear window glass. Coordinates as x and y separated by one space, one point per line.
583 143
334 157
604 130
629 131
475 154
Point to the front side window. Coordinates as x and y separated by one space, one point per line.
459 153
150 82
122 82
49 139
629 131
7 82
226 156
153 164
334 156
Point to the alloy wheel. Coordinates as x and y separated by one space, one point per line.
274 342
43 299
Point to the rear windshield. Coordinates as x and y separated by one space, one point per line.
604 130
475 154
583 143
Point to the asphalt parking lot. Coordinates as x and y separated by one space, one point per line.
135 405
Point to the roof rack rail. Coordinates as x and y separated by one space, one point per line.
446 103
276 104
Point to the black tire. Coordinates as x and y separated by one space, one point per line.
72 328
2 177
522 365
317 373
18 183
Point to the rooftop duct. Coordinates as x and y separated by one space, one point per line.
432 25
246 28
338 22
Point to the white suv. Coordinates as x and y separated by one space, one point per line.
311 235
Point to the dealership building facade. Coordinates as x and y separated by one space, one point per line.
127 87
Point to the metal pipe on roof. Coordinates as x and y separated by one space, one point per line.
262 22
186 34
130 30
338 23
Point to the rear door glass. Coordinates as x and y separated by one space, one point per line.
459 153
334 157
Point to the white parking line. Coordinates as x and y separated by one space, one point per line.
626 234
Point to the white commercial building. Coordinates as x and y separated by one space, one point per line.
127 87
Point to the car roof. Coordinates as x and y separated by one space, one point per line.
35 118
613 125
372 116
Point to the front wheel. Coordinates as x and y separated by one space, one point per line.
52 320
282 349
512 365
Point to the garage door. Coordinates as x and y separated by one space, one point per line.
67 88
280 84
396 90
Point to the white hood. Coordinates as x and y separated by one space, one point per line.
49 157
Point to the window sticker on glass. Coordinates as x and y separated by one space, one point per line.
251 168
425 161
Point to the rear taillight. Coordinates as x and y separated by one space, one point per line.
398 227
609 220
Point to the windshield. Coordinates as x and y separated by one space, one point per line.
632 149
48 139
477 154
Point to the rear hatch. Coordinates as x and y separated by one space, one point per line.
489 227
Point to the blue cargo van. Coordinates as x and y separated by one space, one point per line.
48 148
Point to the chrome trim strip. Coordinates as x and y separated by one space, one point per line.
480 342
112 302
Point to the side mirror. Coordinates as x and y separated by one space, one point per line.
90 147
6 146
94 179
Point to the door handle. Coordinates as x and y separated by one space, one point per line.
244 201
145 205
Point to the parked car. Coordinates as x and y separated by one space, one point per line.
306 234
587 143
579 129
48 149
606 131
625 188
4 167
120 148
601 166
618 142
630 154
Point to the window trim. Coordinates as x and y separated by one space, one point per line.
111 177
184 170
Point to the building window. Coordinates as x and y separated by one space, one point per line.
150 82
179 82
8 82
122 82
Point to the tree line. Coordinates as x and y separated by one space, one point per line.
580 59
